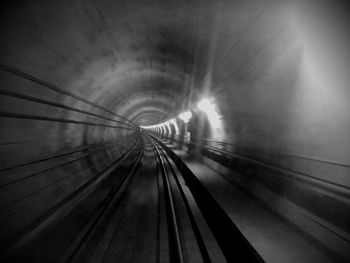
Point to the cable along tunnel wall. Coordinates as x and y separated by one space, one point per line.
278 71
50 151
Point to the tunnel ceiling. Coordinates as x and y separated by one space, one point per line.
133 57
140 59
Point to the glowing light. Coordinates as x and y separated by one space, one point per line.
186 116
209 109
165 126
204 105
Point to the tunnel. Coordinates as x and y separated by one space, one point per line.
174 131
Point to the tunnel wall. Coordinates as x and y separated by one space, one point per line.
281 90
49 153
282 95
276 71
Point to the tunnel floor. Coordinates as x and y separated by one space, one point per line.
144 211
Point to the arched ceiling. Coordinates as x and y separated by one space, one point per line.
133 57
130 55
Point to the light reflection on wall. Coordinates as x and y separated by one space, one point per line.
208 106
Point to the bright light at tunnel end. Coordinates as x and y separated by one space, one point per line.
166 123
185 117
205 105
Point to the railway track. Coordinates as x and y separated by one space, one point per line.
152 210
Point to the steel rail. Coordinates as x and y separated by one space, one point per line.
175 244
200 241
232 242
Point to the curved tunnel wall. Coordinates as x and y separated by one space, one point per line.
49 152
276 72
282 95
